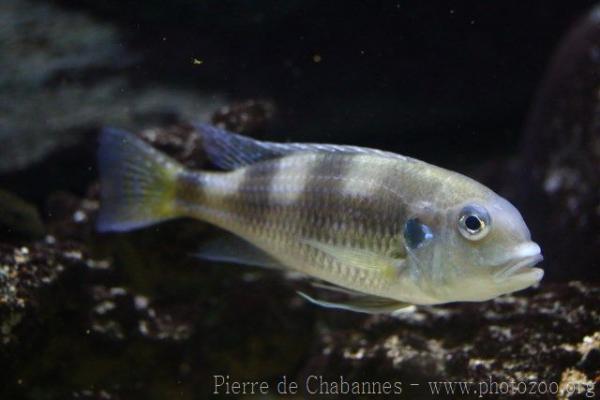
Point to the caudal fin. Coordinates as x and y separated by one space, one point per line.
137 183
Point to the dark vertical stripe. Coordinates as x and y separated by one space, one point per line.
321 203
364 215
251 202
392 198
189 190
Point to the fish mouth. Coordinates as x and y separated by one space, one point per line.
520 264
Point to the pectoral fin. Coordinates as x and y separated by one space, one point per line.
360 258
364 303
334 288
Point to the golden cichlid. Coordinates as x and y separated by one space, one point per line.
386 230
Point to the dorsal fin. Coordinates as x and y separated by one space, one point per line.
228 150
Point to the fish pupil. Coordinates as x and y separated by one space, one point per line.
473 223
416 233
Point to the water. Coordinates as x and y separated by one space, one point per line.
470 87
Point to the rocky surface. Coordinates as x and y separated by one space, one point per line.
550 334
561 155
19 220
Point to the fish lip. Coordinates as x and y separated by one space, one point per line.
520 263
518 268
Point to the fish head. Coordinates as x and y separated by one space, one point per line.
486 250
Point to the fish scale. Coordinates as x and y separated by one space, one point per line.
280 224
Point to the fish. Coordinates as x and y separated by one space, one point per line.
384 231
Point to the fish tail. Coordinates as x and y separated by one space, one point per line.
138 183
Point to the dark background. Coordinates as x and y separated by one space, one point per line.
444 81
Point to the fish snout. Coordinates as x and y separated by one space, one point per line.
519 264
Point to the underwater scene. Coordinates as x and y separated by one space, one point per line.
299 199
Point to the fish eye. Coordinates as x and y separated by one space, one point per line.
416 233
474 222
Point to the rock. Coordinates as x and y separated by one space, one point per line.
558 178
19 220
184 143
181 142
24 271
548 334
248 117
